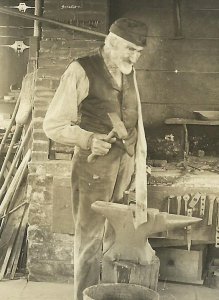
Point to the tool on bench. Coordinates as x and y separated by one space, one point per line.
179 199
186 198
194 200
202 204
189 230
211 199
169 198
217 225
118 130
189 208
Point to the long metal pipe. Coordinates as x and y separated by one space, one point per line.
11 12
37 12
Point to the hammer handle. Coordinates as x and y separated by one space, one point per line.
92 156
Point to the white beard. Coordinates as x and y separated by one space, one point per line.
124 67
112 57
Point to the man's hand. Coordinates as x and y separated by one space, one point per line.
101 143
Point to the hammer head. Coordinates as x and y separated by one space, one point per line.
118 125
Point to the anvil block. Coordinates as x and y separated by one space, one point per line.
129 272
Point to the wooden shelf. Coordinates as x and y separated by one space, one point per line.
181 121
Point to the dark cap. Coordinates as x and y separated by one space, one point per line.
131 30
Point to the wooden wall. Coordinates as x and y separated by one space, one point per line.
176 75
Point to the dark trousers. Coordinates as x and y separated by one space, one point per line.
105 179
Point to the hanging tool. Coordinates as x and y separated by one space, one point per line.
194 200
179 200
189 210
217 225
202 204
211 199
189 230
169 198
18 46
22 7
186 198
118 130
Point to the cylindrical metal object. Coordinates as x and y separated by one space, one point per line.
37 12
119 291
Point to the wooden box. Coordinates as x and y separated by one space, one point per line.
181 265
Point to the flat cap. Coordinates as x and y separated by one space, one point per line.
131 30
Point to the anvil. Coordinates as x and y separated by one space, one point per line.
131 244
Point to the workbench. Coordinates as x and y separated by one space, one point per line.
168 184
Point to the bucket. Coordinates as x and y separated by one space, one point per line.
119 291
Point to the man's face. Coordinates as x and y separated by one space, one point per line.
126 55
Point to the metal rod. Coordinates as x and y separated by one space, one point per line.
14 162
17 132
14 209
37 12
32 17
15 183
12 122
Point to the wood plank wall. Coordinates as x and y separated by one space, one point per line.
176 75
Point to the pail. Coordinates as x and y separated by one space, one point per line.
119 291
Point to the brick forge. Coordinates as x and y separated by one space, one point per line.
51 231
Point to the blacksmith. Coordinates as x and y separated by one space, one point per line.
90 88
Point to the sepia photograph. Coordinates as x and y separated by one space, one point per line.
109 150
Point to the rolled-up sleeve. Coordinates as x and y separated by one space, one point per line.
61 122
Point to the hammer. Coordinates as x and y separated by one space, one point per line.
118 129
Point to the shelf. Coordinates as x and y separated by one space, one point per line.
181 121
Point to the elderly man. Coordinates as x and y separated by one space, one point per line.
90 88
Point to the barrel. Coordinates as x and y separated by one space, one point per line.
119 291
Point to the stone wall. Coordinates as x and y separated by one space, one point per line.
50 250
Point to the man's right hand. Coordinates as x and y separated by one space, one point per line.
101 144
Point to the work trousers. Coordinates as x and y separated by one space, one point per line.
104 179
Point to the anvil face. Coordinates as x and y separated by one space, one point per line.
131 243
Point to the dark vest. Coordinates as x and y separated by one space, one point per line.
105 96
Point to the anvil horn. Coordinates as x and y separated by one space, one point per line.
177 221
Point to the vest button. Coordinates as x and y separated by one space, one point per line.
123 108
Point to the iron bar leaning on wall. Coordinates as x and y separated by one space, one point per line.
38 18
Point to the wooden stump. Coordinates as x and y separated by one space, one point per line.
128 272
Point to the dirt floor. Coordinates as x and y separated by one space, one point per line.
22 290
